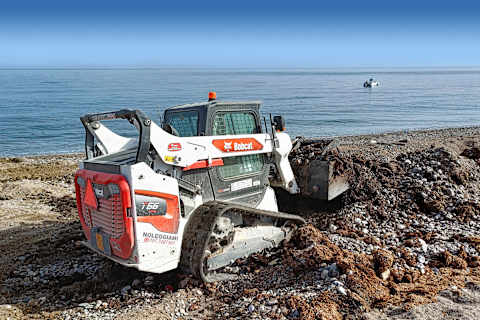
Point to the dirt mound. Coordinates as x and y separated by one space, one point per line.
322 307
371 280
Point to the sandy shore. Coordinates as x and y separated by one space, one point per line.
403 243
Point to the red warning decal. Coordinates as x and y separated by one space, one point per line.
174 146
90 199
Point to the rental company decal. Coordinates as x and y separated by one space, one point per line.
174 146
165 239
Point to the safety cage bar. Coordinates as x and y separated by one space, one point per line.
132 116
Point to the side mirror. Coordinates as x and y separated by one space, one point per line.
279 123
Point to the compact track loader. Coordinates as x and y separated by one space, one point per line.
193 193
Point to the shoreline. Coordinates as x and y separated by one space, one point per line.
427 132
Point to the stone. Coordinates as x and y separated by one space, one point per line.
333 273
385 274
251 308
423 244
125 290
324 274
337 283
183 283
294 314
341 290
421 259
136 283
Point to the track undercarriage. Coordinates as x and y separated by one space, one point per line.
219 233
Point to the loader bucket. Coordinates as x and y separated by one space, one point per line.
321 182
318 175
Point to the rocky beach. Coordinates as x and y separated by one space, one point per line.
403 242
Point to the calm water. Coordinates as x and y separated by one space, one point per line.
40 109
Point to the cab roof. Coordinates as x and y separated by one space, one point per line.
214 103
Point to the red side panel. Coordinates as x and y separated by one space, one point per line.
165 223
110 213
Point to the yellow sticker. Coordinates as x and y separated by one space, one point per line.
169 159
100 241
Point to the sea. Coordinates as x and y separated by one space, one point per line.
40 108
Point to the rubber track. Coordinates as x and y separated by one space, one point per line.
199 229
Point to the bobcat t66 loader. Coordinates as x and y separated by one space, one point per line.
193 193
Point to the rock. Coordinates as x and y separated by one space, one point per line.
294 314
149 281
324 274
421 259
251 308
125 290
450 192
423 244
341 290
333 273
136 283
383 260
183 283
385 274
333 267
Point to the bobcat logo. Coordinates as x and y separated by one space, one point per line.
227 146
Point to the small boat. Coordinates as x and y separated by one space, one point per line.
371 83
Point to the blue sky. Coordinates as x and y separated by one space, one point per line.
240 34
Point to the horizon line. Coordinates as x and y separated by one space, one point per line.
139 67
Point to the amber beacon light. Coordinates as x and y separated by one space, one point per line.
212 95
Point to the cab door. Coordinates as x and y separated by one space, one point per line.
241 179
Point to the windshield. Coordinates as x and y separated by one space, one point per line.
184 122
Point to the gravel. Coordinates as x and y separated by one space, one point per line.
406 230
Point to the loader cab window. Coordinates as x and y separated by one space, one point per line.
184 122
232 123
